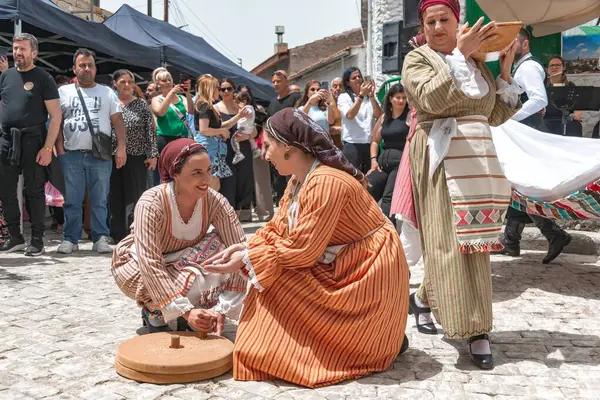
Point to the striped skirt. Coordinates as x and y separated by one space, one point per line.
456 286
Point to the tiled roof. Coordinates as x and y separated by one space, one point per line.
324 61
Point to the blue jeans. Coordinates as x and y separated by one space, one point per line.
82 170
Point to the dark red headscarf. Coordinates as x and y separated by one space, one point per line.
294 128
453 4
174 154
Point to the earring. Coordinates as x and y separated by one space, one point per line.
286 156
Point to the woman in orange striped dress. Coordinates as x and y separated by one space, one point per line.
158 264
330 283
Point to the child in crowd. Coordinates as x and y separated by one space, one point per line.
245 126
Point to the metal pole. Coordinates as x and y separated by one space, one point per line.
20 182
166 10
149 8
369 38
91 10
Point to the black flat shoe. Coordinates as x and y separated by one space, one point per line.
427 329
481 361
405 345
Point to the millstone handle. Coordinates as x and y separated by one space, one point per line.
175 342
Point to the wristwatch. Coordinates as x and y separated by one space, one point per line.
361 96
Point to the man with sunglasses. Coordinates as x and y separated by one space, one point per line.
285 98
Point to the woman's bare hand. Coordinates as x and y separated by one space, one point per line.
469 40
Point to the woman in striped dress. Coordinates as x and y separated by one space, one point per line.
330 284
460 192
158 264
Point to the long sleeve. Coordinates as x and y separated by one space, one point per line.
225 220
467 76
530 76
435 91
148 222
321 203
507 102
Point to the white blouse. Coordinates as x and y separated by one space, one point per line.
471 82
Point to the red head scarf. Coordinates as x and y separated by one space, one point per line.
174 154
453 4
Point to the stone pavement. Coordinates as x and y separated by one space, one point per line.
63 317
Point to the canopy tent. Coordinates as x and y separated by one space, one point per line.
545 16
60 33
185 52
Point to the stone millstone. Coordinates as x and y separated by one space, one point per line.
174 357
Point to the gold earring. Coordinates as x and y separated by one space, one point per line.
286 156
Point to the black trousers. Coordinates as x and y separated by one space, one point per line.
382 182
127 185
239 188
359 155
35 179
161 143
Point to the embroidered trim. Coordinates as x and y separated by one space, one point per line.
248 267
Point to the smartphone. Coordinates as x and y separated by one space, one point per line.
183 79
325 85
4 51
367 79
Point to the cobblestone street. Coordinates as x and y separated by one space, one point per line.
63 318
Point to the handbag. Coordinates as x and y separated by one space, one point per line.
101 143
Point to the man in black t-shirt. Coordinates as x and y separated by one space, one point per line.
285 98
28 94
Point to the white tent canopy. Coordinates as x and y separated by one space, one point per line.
545 16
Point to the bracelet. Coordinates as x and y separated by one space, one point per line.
47 149
374 158
361 97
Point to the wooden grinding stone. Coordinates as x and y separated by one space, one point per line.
174 357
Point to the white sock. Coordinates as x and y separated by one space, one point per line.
424 318
419 303
481 346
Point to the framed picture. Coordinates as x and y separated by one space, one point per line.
582 53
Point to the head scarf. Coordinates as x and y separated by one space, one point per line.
173 155
453 4
294 128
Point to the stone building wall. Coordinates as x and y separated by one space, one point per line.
82 5
385 11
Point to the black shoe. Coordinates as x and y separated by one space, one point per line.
429 328
556 247
405 345
512 239
482 361
509 250
14 243
35 248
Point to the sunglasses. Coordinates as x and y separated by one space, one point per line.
226 89
555 66
314 89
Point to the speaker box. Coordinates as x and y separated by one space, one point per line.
395 45
410 13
